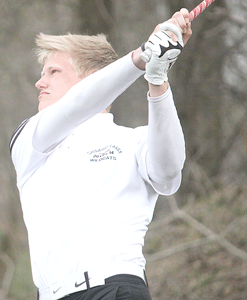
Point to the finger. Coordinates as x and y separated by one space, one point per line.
181 18
187 34
166 26
172 35
186 14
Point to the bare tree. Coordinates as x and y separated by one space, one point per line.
197 241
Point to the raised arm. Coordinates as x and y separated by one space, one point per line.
85 99
166 146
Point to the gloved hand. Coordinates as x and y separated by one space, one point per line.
162 52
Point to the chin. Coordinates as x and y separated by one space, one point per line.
41 106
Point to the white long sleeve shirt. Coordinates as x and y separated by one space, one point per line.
88 187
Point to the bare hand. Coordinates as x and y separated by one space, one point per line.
181 20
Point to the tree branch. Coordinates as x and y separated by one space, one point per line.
210 236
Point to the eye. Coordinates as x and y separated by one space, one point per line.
53 71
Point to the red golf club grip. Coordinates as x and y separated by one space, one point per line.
199 9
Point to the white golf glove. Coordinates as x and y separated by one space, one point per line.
160 53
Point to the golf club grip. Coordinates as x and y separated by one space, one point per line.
199 9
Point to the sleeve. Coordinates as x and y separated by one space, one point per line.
25 158
87 98
163 147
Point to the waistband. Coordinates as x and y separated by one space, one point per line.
125 278
89 279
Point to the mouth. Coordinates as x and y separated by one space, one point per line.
43 93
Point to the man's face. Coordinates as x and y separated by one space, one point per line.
57 77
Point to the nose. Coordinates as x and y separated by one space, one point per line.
41 83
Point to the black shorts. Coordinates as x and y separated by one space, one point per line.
118 287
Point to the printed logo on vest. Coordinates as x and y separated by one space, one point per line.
110 152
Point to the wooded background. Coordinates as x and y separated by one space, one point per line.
196 247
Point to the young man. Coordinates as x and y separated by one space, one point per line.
88 187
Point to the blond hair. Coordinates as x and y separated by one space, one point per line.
87 53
